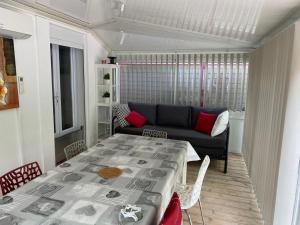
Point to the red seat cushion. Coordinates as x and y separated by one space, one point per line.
136 119
205 122
173 215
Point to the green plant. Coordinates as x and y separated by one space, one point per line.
106 76
106 95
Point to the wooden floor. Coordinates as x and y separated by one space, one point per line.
227 199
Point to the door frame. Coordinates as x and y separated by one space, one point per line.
59 132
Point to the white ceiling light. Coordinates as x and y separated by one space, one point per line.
123 3
122 37
118 7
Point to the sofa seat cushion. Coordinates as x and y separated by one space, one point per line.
194 137
146 110
172 115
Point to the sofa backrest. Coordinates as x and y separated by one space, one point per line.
146 110
172 115
196 110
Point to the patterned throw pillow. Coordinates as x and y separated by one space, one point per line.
122 111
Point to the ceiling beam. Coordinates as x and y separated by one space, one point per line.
290 19
18 5
48 12
138 27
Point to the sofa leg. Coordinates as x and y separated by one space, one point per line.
225 165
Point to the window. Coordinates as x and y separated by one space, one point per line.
208 80
65 107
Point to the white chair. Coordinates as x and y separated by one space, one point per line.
155 133
75 149
190 194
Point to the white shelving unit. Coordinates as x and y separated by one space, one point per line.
104 105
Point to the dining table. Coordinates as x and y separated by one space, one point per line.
76 193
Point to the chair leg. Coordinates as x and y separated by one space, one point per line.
189 216
200 206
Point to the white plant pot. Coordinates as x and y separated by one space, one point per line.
106 82
106 100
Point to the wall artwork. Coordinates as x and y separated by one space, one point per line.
9 97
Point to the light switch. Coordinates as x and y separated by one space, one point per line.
21 85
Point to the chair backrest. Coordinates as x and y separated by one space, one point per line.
173 214
19 176
198 184
155 133
75 149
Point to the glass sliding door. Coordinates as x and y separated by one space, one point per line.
64 96
66 100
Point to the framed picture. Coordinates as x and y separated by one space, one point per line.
9 97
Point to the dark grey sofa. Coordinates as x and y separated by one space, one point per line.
178 122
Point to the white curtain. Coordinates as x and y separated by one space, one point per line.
208 80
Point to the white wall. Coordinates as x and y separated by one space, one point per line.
27 117
290 152
10 149
27 133
95 53
43 62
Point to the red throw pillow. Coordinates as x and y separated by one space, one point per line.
136 119
173 215
205 122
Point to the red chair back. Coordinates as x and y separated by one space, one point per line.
18 177
173 214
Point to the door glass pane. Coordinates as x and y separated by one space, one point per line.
66 87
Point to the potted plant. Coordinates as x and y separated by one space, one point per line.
106 97
106 78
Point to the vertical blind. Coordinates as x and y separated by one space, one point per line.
265 120
208 80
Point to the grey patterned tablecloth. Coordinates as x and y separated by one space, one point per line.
74 194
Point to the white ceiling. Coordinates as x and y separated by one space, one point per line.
170 25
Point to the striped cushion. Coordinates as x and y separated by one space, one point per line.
122 112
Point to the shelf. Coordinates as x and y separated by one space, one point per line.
104 85
106 66
104 122
103 104
103 108
107 104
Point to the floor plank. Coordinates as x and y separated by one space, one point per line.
227 199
